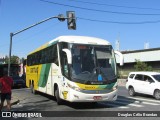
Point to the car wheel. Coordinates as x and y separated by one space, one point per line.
131 91
59 100
157 94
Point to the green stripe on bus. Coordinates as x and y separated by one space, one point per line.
109 86
44 75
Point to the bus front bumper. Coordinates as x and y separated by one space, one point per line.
76 96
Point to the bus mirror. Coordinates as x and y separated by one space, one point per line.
121 58
69 56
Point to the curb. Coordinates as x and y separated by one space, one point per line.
15 102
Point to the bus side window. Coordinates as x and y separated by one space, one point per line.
55 55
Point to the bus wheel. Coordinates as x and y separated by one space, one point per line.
32 89
59 100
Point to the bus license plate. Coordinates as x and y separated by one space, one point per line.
97 97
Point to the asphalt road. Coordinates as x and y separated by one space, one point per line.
124 104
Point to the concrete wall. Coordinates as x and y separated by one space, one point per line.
149 56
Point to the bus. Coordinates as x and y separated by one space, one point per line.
75 69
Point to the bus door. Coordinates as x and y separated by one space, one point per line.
49 81
65 73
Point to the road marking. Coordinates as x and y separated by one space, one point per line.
155 101
135 105
130 104
114 105
148 103
123 107
138 101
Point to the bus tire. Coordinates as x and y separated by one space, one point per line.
59 100
32 89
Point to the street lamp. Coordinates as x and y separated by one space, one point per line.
60 18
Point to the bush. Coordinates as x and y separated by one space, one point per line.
141 66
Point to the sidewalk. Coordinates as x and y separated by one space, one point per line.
14 100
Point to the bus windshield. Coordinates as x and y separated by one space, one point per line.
93 64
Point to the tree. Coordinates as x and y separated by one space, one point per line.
14 59
141 66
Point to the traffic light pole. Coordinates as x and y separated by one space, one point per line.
71 25
60 17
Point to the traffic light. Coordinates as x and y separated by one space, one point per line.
71 20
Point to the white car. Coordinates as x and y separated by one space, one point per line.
145 83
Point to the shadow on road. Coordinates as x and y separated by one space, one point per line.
51 101
85 105
77 107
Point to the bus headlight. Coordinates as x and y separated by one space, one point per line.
74 87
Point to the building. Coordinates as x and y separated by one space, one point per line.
149 56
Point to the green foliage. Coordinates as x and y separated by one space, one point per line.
141 66
14 59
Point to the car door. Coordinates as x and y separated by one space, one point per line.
148 85
138 83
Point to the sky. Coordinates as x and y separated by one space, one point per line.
132 22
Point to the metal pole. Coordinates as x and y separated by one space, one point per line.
35 24
60 17
10 50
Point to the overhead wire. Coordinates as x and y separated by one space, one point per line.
98 10
105 21
117 22
111 5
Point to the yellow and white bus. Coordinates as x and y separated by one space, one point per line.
75 69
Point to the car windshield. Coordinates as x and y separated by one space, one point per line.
93 63
157 77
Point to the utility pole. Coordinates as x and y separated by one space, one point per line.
70 17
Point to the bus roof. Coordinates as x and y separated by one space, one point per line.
75 39
81 40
